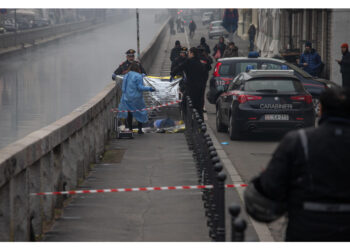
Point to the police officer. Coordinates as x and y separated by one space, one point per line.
180 59
309 172
175 52
194 73
123 68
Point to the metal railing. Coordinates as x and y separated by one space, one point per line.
210 172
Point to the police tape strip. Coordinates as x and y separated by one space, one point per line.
115 190
150 108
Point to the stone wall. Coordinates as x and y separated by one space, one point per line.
55 158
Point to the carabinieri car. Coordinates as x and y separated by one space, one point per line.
227 69
264 100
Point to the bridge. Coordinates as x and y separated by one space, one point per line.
80 152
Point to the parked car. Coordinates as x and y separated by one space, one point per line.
264 100
37 23
207 17
228 68
216 29
9 25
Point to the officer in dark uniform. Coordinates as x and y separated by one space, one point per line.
194 74
180 59
123 68
309 172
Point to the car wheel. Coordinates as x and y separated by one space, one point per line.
233 130
316 103
219 126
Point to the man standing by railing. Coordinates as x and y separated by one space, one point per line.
194 73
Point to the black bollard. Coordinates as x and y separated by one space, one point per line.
240 225
234 210
220 231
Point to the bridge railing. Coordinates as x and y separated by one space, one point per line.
210 173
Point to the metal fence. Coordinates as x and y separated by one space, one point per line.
210 172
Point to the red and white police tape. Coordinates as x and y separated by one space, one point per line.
116 190
115 110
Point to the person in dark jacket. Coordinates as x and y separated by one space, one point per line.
192 26
345 65
180 59
194 73
309 172
124 67
221 46
251 33
175 52
310 60
231 50
206 61
204 45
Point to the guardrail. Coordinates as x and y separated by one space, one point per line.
54 158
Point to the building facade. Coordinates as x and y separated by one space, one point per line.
283 33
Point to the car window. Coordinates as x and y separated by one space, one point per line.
272 66
217 24
279 84
225 69
241 66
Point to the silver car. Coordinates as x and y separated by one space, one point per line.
216 29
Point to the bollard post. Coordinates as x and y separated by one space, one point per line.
240 225
220 232
234 210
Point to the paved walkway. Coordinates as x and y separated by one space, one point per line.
148 160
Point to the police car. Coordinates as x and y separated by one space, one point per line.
228 68
264 100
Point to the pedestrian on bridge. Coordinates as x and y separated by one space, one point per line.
175 52
219 48
124 67
345 65
192 26
308 177
231 50
132 97
204 45
194 74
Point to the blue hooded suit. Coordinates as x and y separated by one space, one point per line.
132 97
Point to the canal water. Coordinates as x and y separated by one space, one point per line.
39 87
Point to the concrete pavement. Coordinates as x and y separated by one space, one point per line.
151 160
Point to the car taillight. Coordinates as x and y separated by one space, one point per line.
245 98
216 71
306 98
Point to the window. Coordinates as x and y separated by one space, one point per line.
225 69
279 85
242 66
271 66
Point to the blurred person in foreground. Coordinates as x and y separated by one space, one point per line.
132 97
308 177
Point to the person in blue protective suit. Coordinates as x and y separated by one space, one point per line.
310 60
132 97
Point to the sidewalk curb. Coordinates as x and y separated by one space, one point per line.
261 229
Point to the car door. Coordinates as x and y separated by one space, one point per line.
228 97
